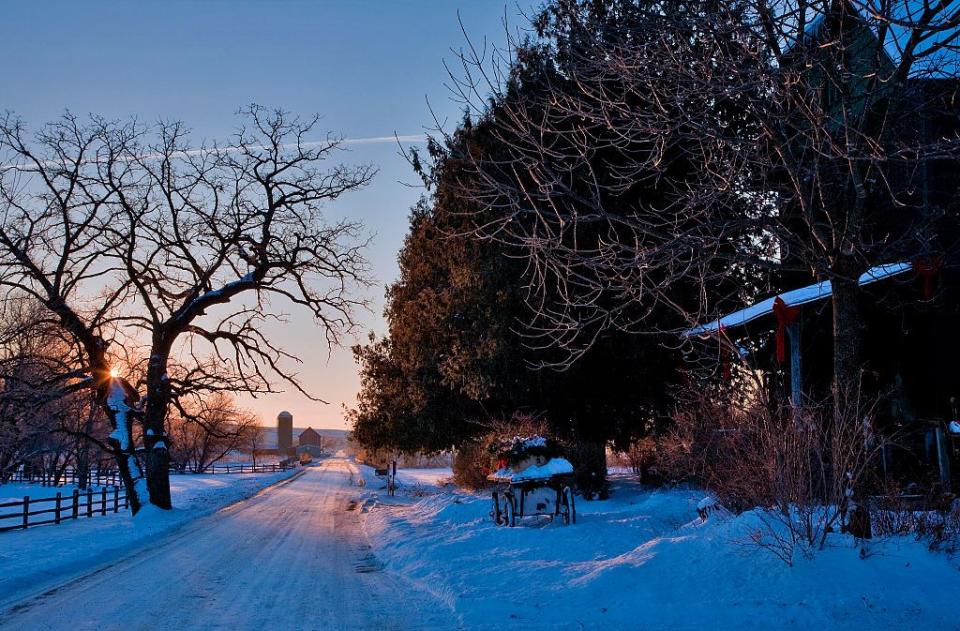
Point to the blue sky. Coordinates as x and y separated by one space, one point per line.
368 67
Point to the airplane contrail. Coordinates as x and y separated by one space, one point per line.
370 140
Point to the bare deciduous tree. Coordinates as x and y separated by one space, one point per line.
204 436
170 259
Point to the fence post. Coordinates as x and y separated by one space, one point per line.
76 503
103 500
89 502
26 510
56 514
116 498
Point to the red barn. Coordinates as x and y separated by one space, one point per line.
310 436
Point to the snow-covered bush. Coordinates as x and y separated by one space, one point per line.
500 449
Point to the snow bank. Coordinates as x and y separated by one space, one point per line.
38 558
643 559
434 477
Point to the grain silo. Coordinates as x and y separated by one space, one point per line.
284 434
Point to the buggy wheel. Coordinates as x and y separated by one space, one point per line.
568 507
509 511
495 513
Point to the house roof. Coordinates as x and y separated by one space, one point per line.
816 21
793 298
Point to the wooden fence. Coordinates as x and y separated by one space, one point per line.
111 477
97 477
249 468
54 510
87 503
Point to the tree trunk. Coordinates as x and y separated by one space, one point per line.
129 482
118 399
848 373
157 453
156 447
847 366
158 477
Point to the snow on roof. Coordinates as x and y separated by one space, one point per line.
531 441
793 298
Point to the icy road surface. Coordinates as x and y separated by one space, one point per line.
292 557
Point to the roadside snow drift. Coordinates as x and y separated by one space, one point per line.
644 560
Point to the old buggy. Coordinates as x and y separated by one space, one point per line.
532 481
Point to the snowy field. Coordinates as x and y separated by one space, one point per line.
643 559
436 477
33 559
16 491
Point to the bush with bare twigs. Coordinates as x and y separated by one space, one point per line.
934 520
800 469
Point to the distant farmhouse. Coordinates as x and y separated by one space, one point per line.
309 441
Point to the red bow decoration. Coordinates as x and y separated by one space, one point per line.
725 370
786 316
928 269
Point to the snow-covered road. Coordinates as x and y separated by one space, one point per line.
291 557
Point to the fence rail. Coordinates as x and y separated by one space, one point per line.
111 477
249 468
19 514
95 477
79 504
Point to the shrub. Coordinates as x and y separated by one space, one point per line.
800 469
471 464
589 460
934 519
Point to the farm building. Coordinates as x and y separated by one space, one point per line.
909 298
310 442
